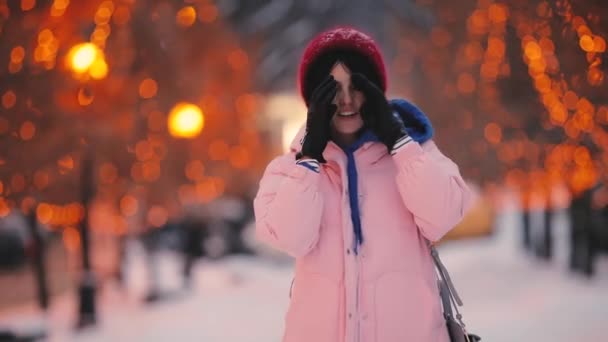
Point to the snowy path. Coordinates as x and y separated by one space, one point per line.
508 297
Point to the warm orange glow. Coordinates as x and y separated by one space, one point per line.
478 22
9 99
186 16
41 180
546 45
246 104
584 121
583 30
49 52
148 88
558 114
85 96
571 130
537 67
493 133
108 173
122 15
602 115
577 21
17 54
207 13
466 83
496 48
103 14
4 208
129 205
156 121
582 178
99 69
44 212
440 36
498 13
599 44
515 178
4 125
570 99
28 204
143 150
210 189
137 171
71 239
18 182
238 59
27 5
157 216
151 171
584 105
186 194
120 226
488 71
82 56
542 83
1 187
582 156
66 162
27 130
100 35
59 7
586 43
595 76
185 120
74 212
240 157
218 150
195 170
14 68
533 51
473 52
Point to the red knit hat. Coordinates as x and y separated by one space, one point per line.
344 38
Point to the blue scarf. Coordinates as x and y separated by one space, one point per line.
418 127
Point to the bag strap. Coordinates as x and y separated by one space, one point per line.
447 291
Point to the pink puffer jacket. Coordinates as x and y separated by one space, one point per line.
387 292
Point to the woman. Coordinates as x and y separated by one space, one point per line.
356 201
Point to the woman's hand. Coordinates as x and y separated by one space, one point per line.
320 112
377 112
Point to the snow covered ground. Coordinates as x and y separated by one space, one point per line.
508 296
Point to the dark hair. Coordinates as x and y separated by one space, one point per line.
322 65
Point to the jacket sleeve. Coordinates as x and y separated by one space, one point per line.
432 188
288 207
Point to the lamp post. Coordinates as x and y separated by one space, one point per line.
186 121
86 308
86 61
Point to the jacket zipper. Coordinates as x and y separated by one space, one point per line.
358 325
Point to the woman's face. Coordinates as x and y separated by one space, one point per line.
348 119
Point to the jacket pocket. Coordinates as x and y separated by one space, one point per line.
313 313
406 309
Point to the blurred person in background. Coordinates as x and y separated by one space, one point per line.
356 201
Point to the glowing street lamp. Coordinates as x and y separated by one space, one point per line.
82 56
185 120
87 58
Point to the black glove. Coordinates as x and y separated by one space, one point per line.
320 112
377 113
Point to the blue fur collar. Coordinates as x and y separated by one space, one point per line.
416 123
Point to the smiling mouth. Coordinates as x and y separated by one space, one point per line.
347 114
